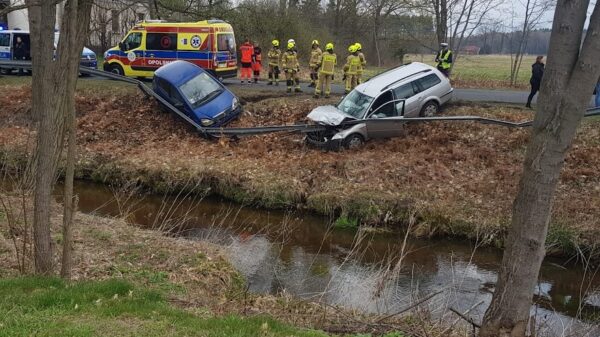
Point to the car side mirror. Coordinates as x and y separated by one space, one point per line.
121 46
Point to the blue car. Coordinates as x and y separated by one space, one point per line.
196 93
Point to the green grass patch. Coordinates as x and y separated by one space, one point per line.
346 222
562 238
51 307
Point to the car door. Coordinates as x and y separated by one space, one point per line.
131 48
5 52
383 119
161 48
409 92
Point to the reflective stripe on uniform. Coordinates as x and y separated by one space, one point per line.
315 54
290 61
444 59
328 64
274 56
353 64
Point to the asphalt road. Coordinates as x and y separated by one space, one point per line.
468 95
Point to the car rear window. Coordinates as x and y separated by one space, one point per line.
4 40
225 42
429 81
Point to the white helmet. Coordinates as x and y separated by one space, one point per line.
444 44
291 41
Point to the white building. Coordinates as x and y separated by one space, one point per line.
19 20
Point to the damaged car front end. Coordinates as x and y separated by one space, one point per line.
335 118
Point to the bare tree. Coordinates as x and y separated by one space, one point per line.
53 85
379 11
534 11
570 75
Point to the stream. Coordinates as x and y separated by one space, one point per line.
302 255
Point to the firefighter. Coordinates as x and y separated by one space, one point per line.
363 63
257 62
315 57
274 56
444 59
327 63
351 68
247 55
291 67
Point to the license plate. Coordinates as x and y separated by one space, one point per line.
222 65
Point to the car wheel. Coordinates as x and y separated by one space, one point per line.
117 69
354 141
430 109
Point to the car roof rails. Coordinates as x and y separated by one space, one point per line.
405 77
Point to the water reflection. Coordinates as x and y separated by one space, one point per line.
309 260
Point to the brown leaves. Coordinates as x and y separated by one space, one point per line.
459 168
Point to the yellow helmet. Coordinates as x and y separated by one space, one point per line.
358 46
352 49
329 46
290 45
315 42
275 43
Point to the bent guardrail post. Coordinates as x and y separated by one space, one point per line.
300 128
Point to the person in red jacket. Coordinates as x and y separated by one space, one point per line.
257 64
247 56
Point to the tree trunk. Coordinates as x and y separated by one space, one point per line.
53 85
69 202
76 26
567 84
42 17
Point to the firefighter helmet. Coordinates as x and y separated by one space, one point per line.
352 49
315 42
329 46
358 46
275 43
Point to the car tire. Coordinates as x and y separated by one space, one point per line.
353 141
117 69
429 109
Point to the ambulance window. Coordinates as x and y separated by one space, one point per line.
133 40
161 41
226 42
4 40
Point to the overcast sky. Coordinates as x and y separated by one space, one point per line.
546 21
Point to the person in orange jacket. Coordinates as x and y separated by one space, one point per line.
247 56
257 64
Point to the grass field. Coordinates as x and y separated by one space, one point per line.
490 71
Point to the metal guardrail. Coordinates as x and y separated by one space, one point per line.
296 128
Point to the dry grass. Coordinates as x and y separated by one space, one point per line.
460 177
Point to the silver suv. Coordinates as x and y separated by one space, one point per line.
412 90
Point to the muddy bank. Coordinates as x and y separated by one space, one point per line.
453 179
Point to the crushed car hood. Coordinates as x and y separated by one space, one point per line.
328 115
